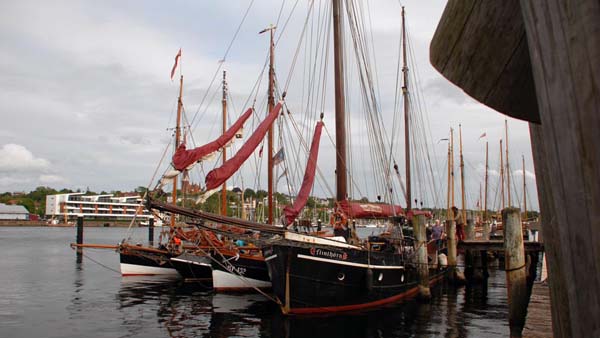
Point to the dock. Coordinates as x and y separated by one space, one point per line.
538 323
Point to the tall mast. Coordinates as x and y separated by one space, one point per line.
501 175
507 163
462 175
406 117
449 184
177 140
524 191
486 184
340 109
224 189
452 166
270 106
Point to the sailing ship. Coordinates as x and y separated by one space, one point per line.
311 274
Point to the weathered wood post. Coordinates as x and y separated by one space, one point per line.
151 231
516 272
484 253
421 250
453 274
79 239
469 256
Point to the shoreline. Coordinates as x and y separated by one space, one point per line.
86 224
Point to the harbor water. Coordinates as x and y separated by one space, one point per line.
45 292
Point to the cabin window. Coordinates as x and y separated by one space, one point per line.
341 276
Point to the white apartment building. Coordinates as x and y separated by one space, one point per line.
108 206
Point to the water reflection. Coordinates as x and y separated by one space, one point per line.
183 310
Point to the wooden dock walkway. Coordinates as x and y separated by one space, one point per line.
538 323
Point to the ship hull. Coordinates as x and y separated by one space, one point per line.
239 272
313 279
142 263
193 267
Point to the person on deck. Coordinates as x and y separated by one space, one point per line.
460 224
437 233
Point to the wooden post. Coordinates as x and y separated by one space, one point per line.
516 272
151 231
564 46
79 239
422 264
453 274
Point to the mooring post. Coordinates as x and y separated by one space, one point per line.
422 264
469 255
516 273
151 231
79 239
453 274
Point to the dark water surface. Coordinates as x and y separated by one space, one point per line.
45 293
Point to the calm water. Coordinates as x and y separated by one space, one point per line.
45 293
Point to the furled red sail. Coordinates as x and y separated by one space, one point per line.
369 210
217 176
292 211
184 158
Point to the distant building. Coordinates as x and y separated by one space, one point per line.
13 212
96 206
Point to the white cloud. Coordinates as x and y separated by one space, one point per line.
48 179
519 173
15 157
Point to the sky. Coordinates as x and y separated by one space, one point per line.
87 101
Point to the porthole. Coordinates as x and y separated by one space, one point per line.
341 276
380 278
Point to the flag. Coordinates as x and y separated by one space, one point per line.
482 135
260 150
282 174
176 63
279 157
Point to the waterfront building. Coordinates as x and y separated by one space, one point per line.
104 207
13 212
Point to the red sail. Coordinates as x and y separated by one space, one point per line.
291 212
184 158
217 176
369 210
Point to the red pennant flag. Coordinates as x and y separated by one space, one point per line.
176 63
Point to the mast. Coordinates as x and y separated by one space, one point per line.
406 117
224 189
452 166
524 191
340 109
270 106
177 140
462 175
501 175
449 184
507 163
486 184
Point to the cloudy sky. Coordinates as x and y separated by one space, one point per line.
86 99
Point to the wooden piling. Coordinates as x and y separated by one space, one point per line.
516 272
453 274
79 239
421 249
151 231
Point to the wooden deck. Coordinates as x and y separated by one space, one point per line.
539 319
